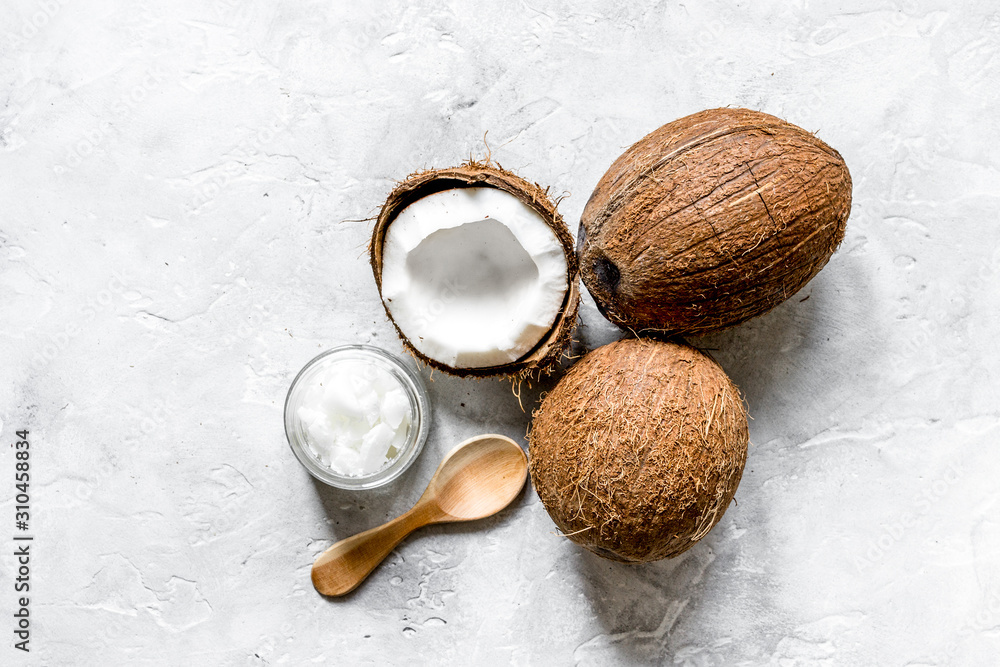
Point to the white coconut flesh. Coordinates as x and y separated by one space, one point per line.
473 277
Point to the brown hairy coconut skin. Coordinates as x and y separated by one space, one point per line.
637 452
711 220
546 354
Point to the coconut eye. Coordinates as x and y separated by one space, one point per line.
607 273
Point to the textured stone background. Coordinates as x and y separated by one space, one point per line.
183 188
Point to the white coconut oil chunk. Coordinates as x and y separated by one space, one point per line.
473 277
356 417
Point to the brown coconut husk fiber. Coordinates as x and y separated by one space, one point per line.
638 450
711 220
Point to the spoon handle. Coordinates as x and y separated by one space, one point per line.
340 569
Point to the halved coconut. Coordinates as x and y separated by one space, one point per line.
476 270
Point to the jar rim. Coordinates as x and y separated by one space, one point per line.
416 393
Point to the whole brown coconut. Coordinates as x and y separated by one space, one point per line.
638 450
711 220
547 352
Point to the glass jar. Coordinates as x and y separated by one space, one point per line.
419 416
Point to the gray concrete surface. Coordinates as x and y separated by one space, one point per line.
184 190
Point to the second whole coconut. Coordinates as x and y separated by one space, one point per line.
711 220
638 450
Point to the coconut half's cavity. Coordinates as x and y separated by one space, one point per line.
476 270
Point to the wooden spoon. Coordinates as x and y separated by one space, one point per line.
477 478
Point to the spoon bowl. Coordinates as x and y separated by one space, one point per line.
477 479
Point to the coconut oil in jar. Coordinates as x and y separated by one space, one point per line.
356 416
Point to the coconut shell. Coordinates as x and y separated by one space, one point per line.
547 353
638 450
711 220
